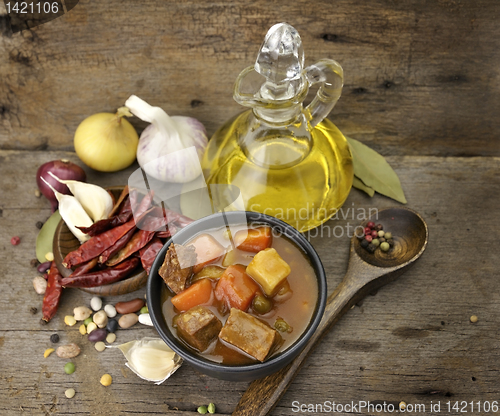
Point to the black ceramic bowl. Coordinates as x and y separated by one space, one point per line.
228 372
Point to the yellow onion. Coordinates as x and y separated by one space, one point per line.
107 142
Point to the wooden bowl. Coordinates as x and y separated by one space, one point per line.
65 242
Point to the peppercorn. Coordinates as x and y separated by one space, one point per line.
54 338
364 243
368 231
368 238
388 235
39 225
371 248
376 242
382 239
34 263
359 233
370 224
385 246
33 310
15 240
381 233
391 242
379 227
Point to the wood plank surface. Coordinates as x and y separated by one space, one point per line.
411 342
421 77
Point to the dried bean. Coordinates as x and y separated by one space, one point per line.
81 313
145 319
100 346
42 268
97 335
68 351
133 305
101 319
40 285
110 338
112 325
110 311
128 320
96 303
54 338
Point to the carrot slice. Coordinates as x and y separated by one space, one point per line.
199 293
236 288
255 240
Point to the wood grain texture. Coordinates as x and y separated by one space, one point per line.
421 78
413 341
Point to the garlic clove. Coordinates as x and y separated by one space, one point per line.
95 200
72 213
151 359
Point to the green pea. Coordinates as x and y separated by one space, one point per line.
69 368
211 408
144 309
261 304
202 409
282 326
88 321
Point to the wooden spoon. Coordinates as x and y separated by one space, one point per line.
366 273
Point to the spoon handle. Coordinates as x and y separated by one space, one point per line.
262 395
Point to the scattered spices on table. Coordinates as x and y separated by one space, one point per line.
374 237
47 352
69 368
54 338
106 380
70 393
15 240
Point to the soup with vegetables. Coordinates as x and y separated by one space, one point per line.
238 299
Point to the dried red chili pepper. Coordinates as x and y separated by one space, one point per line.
149 252
115 248
84 268
138 241
118 203
102 277
97 244
106 224
52 293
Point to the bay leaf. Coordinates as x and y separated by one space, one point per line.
45 238
374 171
358 183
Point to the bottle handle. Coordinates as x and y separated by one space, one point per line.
331 76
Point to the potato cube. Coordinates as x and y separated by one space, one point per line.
269 270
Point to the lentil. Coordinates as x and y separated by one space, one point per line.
110 338
69 368
82 329
69 320
100 346
70 393
15 240
91 327
47 352
96 303
112 325
110 311
106 380
54 338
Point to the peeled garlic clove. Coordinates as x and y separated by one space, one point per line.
72 213
95 200
151 359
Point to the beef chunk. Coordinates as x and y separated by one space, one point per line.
178 266
249 334
198 327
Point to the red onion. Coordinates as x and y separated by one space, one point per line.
63 169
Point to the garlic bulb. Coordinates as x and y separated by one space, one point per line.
151 359
72 213
170 148
96 201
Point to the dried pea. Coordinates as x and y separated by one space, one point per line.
47 352
69 368
100 346
144 309
211 408
88 320
82 329
91 327
106 380
110 338
69 320
49 256
202 409
70 393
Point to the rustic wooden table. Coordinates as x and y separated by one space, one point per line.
421 88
